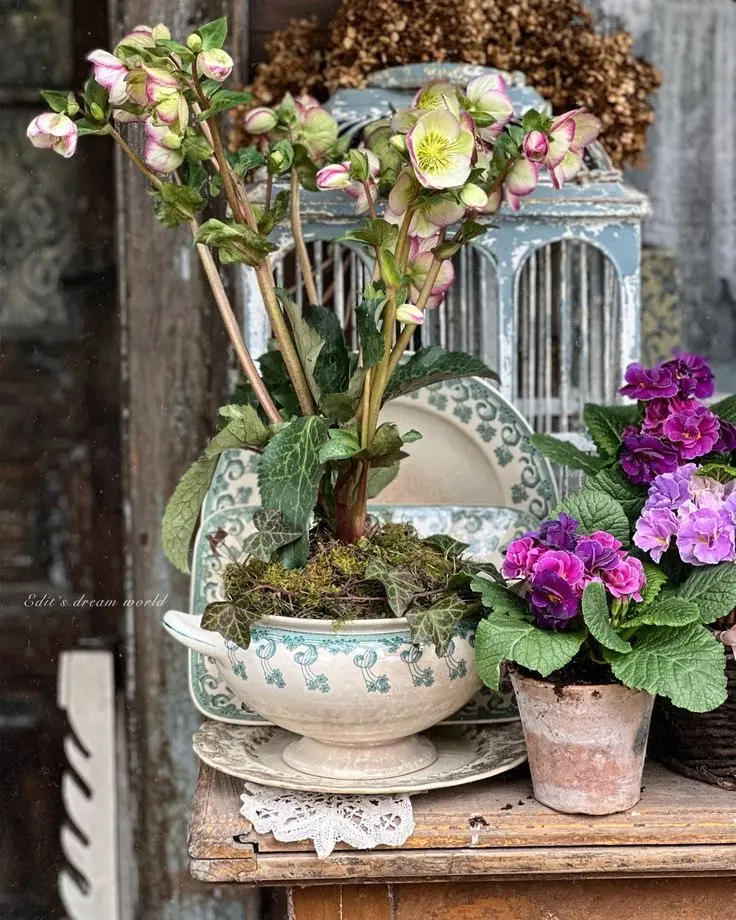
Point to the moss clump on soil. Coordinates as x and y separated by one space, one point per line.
332 585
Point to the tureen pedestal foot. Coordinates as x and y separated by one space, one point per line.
364 761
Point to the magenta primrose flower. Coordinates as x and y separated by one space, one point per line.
649 383
693 375
694 431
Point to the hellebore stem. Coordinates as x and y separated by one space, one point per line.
299 244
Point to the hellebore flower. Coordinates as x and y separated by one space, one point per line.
649 383
645 457
654 531
440 148
586 129
693 375
430 215
53 131
560 533
562 563
340 176
214 64
419 263
163 152
552 600
128 48
536 146
521 557
106 68
625 579
163 92
694 431
706 537
436 94
260 120
521 180
317 129
488 94
335 176
410 314
473 196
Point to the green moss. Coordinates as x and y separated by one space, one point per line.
333 585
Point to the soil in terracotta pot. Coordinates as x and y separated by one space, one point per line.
333 583
581 670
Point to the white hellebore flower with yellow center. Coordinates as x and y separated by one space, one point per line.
441 149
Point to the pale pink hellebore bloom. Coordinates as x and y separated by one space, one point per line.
536 146
106 68
489 94
429 217
337 176
163 153
214 64
408 313
260 120
53 131
420 260
521 180
441 148
585 129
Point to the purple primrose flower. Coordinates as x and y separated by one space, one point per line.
694 431
559 534
693 375
649 383
521 557
561 563
595 555
553 601
645 457
654 531
726 438
706 537
670 490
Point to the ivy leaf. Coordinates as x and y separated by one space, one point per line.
685 664
213 34
332 369
182 512
725 409
667 611
231 621
563 453
656 579
713 589
308 341
272 532
398 583
446 544
379 477
506 636
431 365
342 445
176 204
614 482
597 511
597 619
435 625
289 475
371 338
605 424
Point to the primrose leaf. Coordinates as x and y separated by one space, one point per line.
435 625
597 619
597 511
656 579
712 588
614 482
667 611
605 424
685 664
563 453
725 409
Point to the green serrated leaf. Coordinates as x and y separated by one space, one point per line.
308 341
431 365
85 126
341 446
597 511
243 425
656 580
337 406
614 482
379 477
231 621
713 589
497 597
182 512
332 369
305 167
370 336
398 583
597 619
213 34
224 100
176 204
604 425
57 100
667 611
378 233
725 409
563 453
173 47
384 445
246 159
508 637
410 436
446 544
721 472
685 664
272 532
435 625
289 475
235 243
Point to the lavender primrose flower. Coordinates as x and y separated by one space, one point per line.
654 531
694 432
645 457
553 601
559 534
693 375
707 537
649 383
670 490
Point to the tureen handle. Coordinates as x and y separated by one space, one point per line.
185 628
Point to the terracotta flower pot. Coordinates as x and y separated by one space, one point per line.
586 743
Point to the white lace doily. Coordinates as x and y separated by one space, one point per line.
362 821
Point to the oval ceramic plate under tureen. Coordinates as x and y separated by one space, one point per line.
467 753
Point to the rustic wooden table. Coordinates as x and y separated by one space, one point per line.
492 853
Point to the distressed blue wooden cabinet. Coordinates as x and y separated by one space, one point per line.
549 295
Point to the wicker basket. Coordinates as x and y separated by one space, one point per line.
700 745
